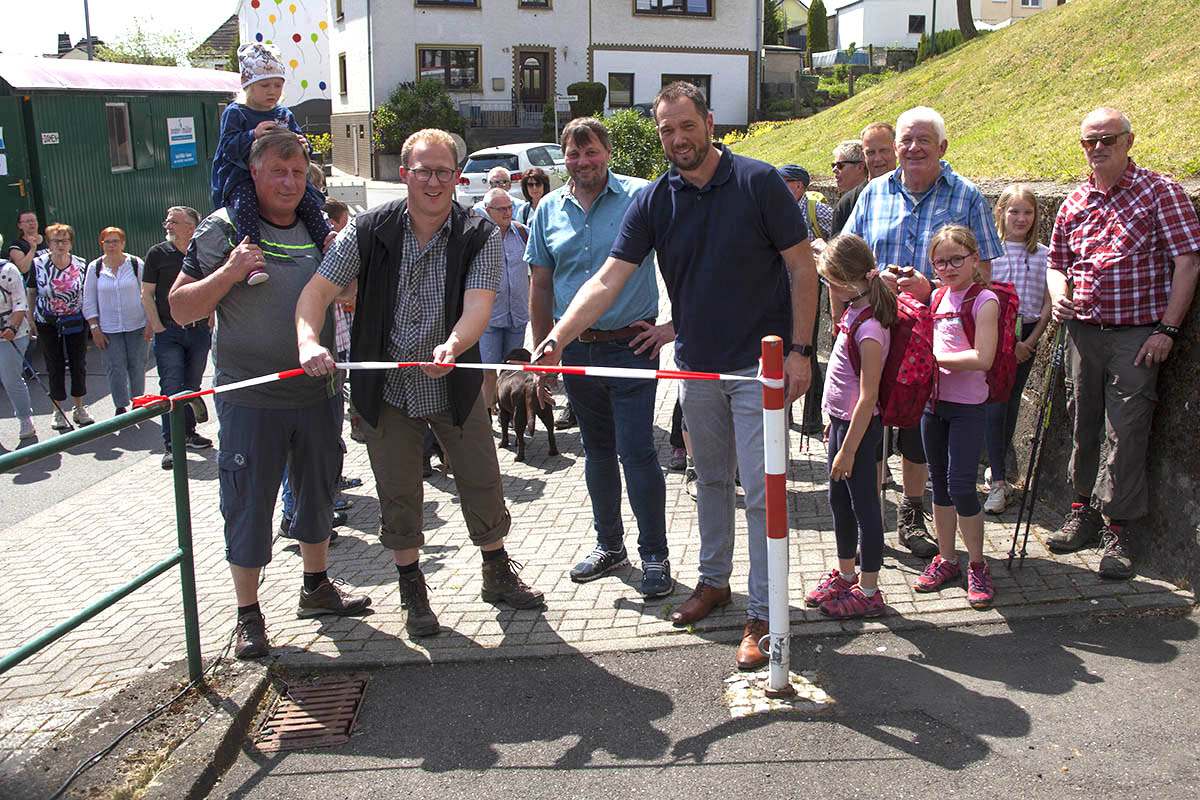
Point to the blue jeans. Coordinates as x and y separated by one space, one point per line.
953 434
1002 422
496 343
125 366
616 419
11 364
855 500
181 355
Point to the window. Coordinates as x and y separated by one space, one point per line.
458 68
620 89
538 157
1031 3
689 8
450 3
342 73
701 82
534 4
916 23
120 141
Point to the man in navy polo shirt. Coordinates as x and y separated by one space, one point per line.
727 232
570 236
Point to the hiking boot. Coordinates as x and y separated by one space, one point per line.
81 416
831 585
854 604
501 582
419 619
598 563
1080 528
656 577
251 637
979 586
678 462
937 573
913 533
565 418
997 499
328 598
60 422
1116 563
198 442
168 461
28 430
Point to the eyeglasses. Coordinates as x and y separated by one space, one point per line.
60 241
500 184
1108 140
113 241
952 261
842 164
502 209
423 174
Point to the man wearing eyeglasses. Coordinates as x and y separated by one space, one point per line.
497 178
850 172
510 312
404 255
1127 239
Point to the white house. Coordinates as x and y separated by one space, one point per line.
503 60
892 23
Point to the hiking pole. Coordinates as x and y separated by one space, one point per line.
1033 471
39 383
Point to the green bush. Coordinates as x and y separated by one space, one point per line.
818 28
944 40
840 72
591 99
870 79
636 149
549 123
411 107
780 106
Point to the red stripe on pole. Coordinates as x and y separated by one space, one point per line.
777 511
772 369
290 373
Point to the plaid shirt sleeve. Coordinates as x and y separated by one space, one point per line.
1179 225
485 269
1059 257
342 263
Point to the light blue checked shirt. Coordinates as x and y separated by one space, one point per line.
898 226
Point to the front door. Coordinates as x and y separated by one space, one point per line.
533 70
16 184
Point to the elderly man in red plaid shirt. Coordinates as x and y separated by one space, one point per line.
1128 240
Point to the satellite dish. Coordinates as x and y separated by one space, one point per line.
461 145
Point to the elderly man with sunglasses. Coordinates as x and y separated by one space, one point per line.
1127 239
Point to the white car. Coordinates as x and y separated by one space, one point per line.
516 158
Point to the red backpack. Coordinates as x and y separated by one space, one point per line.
1003 371
909 370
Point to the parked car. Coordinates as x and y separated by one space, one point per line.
516 158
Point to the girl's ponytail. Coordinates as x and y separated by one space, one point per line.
883 300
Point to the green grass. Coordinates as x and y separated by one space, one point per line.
1013 100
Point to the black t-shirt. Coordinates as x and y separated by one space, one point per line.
163 262
845 208
22 245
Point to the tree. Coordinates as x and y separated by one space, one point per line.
773 23
818 28
966 23
636 148
139 43
411 107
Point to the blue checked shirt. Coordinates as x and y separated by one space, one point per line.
899 226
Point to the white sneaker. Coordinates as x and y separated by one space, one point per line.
987 479
997 499
81 416
28 431
60 422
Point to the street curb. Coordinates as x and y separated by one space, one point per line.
194 767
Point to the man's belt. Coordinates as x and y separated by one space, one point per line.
593 335
1105 326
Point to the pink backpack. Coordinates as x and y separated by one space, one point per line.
1003 371
909 371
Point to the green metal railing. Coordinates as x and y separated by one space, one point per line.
183 524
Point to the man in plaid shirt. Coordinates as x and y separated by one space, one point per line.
1127 239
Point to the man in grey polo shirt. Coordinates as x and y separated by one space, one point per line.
263 428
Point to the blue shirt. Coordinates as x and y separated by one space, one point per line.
574 244
511 309
719 253
898 226
230 163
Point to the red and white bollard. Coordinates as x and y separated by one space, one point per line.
775 466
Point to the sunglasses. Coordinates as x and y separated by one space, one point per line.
1108 140
499 184
842 164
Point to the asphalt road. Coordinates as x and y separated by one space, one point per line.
1036 709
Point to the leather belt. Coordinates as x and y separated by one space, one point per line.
593 335
1108 327
195 324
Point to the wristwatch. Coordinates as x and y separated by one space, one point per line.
805 350
1167 330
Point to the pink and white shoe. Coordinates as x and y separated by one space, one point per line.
831 585
979 586
854 604
937 573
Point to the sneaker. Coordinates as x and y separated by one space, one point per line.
854 604
342 503
60 421
997 499
689 480
936 574
28 430
501 582
1080 528
329 598
168 461
565 418
979 586
419 619
345 483
913 533
831 585
338 519
678 462
987 480
1116 563
656 578
251 637
198 442
598 563
81 416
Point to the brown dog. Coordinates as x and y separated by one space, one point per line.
519 403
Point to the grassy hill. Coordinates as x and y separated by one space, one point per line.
1013 100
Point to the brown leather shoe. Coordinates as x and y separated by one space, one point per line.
703 600
748 654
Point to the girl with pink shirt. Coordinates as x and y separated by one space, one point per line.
952 427
855 432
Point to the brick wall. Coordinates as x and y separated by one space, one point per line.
344 145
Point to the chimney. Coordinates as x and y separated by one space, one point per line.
64 43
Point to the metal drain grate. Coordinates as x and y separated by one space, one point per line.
319 713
